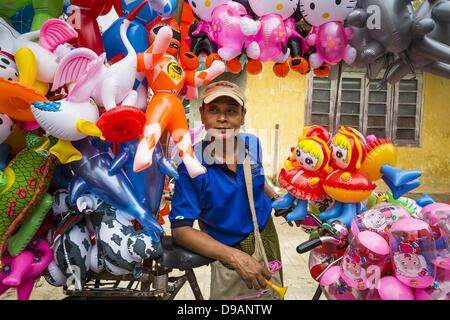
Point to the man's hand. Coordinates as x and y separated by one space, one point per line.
250 270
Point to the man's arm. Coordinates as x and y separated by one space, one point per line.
251 271
269 191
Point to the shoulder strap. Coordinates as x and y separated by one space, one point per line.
249 186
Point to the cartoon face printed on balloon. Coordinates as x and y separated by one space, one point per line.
6 127
8 68
349 149
341 151
313 155
318 12
374 219
378 219
353 270
414 251
204 8
285 8
410 265
308 160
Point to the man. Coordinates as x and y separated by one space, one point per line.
218 198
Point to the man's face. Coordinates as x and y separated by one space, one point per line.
223 117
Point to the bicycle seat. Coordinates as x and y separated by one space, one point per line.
176 257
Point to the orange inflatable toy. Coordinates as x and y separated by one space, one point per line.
168 80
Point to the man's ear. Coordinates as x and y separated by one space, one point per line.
202 111
244 112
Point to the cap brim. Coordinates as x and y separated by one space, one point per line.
210 98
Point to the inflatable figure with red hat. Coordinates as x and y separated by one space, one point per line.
169 78
360 162
305 172
346 184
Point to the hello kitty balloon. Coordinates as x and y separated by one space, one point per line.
203 9
220 22
328 34
274 29
226 29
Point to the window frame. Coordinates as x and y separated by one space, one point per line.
392 105
419 111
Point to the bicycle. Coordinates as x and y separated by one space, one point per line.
326 247
154 283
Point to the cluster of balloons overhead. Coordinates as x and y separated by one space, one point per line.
81 114
348 30
272 31
418 39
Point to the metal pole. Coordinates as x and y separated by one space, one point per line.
179 11
275 152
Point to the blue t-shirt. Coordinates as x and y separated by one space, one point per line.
219 198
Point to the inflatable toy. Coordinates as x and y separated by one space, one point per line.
346 184
358 164
413 252
70 119
23 198
270 37
21 272
92 174
74 251
328 34
167 79
30 13
108 86
365 260
83 17
304 180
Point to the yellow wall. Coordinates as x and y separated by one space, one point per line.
271 101
433 155
274 101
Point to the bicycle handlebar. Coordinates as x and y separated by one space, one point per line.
313 243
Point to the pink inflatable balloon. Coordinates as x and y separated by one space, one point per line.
390 288
437 215
272 35
275 28
226 29
365 260
335 288
21 272
429 211
378 219
221 23
440 289
328 34
413 252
